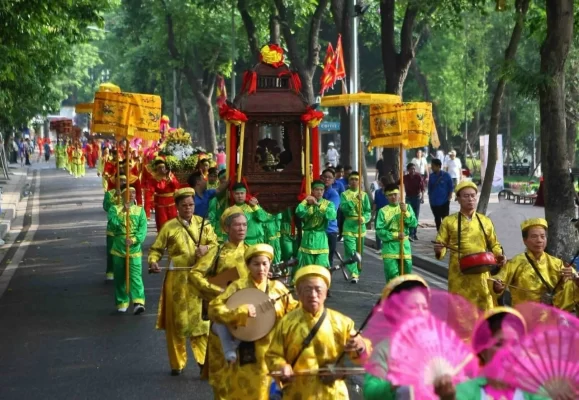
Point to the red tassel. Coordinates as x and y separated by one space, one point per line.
249 83
233 159
302 196
297 83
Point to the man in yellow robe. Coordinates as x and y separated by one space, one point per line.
535 275
476 235
218 260
335 334
250 380
179 311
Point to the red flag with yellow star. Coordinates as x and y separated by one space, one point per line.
329 75
339 59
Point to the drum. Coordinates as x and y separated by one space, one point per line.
258 327
478 263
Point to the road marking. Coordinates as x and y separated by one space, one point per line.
28 239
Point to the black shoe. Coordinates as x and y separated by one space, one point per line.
411 239
415 237
176 372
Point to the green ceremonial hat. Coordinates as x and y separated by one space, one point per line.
239 187
354 174
319 184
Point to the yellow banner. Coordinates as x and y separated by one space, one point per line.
403 124
127 115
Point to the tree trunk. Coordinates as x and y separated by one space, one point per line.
522 6
559 192
183 118
305 65
274 29
571 140
424 87
343 22
250 28
307 86
396 64
508 138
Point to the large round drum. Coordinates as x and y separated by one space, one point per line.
478 263
258 327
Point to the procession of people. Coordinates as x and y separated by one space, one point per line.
218 249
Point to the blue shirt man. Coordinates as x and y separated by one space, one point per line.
440 189
202 202
338 187
202 195
328 176
333 196
380 199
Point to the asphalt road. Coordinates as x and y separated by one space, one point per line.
60 335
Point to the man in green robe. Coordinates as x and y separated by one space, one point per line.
137 233
287 240
315 213
111 199
256 216
271 230
353 221
388 230
217 205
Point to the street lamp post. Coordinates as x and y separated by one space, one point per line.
354 80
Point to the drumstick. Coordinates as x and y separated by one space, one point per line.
323 372
171 268
513 286
444 245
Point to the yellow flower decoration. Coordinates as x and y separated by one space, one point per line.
272 55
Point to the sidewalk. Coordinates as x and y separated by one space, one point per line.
505 214
13 190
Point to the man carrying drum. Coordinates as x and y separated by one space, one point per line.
207 278
535 275
469 234
179 312
248 377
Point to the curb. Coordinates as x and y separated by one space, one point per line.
428 264
10 201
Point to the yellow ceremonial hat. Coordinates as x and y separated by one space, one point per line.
123 177
464 185
227 213
534 222
261 249
186 191
394 283
315 270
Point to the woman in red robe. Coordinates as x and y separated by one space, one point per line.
163 184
